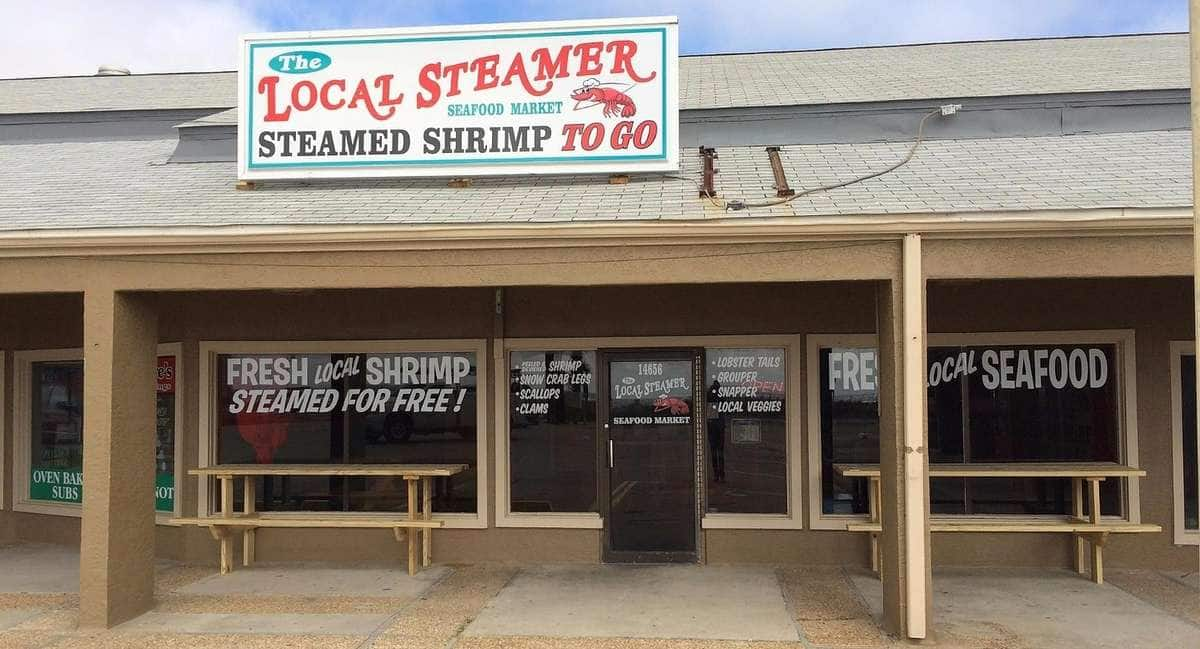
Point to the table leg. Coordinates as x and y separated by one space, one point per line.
1094 499
220 534
873 508
426 514
1098 542
248 498
412 516
226 512
1077 512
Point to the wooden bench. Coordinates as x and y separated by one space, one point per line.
417 518
1093 529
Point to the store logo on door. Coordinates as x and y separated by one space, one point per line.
651 393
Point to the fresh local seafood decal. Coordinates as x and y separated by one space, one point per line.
550 98
1034 368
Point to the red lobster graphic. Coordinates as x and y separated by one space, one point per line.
614 101
676 405
264 431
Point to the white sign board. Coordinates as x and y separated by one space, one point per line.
520 98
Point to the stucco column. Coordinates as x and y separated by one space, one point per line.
1194 49
903 435
116 571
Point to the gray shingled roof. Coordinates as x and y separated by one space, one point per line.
126 184
979 69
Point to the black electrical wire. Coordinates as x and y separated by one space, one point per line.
736 205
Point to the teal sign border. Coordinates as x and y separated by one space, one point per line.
250 164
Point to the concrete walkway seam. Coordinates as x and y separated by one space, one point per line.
383 626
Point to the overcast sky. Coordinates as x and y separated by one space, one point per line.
64 37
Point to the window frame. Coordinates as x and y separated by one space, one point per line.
793 346
1126 375
209 349
1182 535
23 361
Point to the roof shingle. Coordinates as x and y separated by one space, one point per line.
125 184
935 71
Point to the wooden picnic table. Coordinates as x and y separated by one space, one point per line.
418 516
1089 529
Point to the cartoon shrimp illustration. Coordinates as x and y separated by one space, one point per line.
676 405
614 101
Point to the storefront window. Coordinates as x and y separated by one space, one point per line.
987 404
335 408
1187 384
746 431
56 462
849 425
164 451
552 431
56 447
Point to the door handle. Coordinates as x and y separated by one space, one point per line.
610 454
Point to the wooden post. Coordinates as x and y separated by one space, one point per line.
904 540
1077 511
1098 541
226 512
248 498
1094 492
873 508
1194 58
426 514
220 535
412 516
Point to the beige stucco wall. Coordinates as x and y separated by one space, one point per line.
1157 309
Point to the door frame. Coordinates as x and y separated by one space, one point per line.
604 458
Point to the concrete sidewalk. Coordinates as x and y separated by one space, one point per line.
39 568
626 601
1043 608
592 606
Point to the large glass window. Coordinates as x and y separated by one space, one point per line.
746 430
164 451
849 425
987 404
552 431
56 423
350 408
1188 461
56 450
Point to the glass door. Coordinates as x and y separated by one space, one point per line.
649 437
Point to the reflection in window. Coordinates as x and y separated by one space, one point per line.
1187 383
987 404
402 408
552 431
746 431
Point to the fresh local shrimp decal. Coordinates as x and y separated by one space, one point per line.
427 383
554 98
